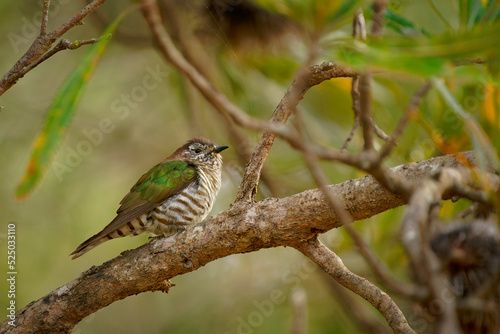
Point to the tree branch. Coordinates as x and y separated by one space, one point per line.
365 110
361 104
333 265
299 304
63 44
410 112
304 81
362 317
378 17
45 17
382 271
42 44
245 227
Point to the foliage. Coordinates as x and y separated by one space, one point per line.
61 112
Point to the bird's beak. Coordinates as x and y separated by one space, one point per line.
220 149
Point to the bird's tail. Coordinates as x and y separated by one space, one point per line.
87 245
134 227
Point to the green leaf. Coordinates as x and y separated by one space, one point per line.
424 56
402 25
475 10
61 113
480 140
491 12
343 13
392 61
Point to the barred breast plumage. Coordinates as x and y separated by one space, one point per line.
189 207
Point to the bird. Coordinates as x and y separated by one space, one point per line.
177 192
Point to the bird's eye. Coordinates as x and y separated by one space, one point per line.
198 150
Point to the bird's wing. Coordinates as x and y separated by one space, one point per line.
153 188
162 181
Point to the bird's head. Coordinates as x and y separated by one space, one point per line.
201 152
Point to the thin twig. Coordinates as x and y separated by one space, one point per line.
351 135
440 16
43 43
63 44
379 132
360 90
378 17
410 113
359 25
76 19
355 109
365 110
358 31
45 17
383 273
362 317
299 304
244 153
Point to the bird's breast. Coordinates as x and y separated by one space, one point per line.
191 205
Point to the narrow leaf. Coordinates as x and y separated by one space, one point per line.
422 55
402 25
480 141
61 114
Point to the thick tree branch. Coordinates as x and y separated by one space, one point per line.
290 221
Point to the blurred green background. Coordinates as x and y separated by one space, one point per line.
226 296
